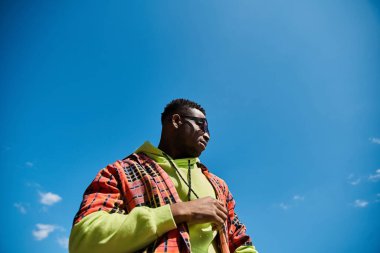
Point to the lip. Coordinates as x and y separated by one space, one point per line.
203 143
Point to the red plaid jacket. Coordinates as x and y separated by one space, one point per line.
139 181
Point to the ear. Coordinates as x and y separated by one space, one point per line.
176 121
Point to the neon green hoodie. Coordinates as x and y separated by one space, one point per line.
201 235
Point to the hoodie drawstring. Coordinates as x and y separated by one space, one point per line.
189 180
180 176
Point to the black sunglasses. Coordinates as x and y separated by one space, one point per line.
202 122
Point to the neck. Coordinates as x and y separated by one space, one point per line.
168 148
166 144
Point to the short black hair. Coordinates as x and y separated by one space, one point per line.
177 105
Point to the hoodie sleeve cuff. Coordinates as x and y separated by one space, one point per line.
164 219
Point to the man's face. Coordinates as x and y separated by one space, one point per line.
193 134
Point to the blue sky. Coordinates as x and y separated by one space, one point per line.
291 90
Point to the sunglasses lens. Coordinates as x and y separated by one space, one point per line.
202 122
205 127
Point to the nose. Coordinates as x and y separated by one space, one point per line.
206 136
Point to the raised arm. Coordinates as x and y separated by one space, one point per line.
103 225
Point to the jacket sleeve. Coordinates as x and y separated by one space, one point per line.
102 223
238 240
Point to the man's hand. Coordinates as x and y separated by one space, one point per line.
200 211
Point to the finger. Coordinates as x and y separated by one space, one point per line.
222 215
220 222
221 207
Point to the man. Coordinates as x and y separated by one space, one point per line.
161 199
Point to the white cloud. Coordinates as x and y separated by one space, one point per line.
375 140
21 207
63 242
360 203
284 206
29 164
355 182
43 231
352 180
290 203
33 185
298 197
49 198
375 177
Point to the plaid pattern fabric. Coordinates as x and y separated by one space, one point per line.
139 181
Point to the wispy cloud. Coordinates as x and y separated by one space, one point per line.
353 180
377 200
63 242
360 203
20 207
284 206
29 164
375 177
33 185
5 148
43 231
298 197
375 140
49 198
